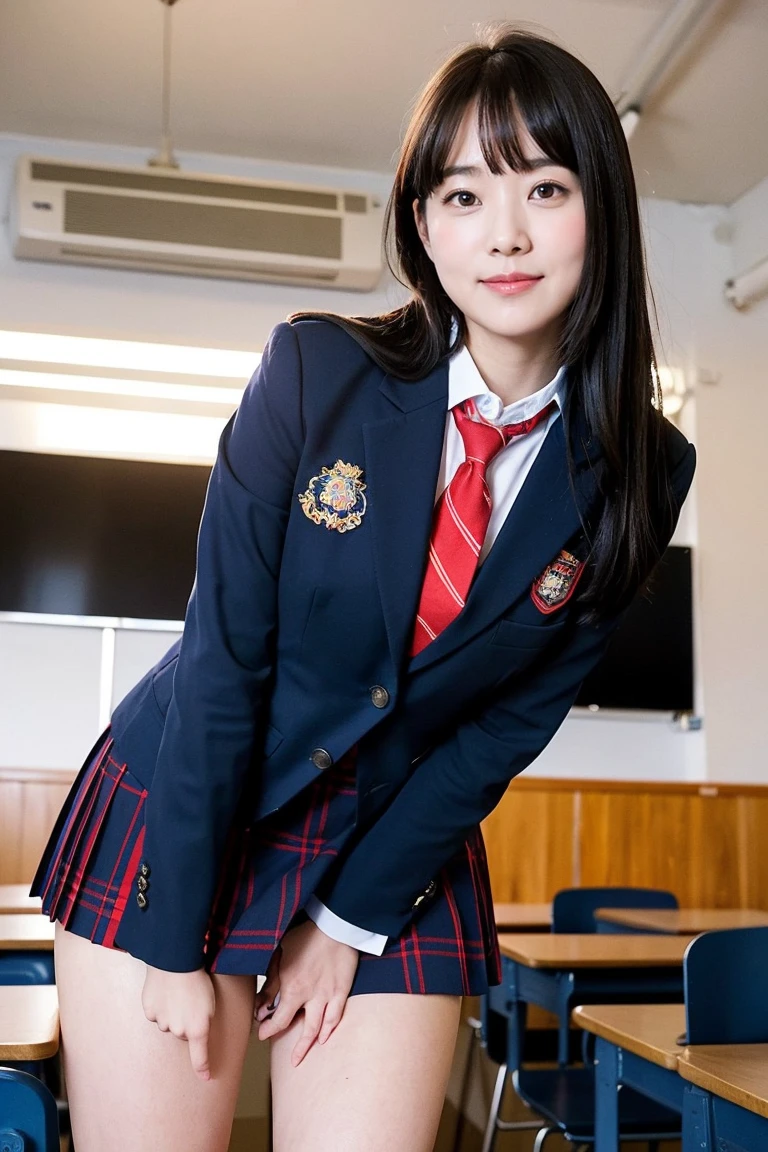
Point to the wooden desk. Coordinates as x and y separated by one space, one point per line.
735 1072
568 952
721 1090
15 898
681 921
29 1022
557 971
647 1030
636 1047
523 917
23 933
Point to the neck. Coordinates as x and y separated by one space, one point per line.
513 369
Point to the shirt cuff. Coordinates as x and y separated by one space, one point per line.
341 930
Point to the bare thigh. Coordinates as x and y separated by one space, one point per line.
377 1084
130 1085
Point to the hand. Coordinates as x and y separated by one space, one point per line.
182 1003
312 972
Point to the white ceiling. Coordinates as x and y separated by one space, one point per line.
330 81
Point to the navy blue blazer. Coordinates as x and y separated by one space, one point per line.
294 629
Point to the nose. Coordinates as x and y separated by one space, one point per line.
509 234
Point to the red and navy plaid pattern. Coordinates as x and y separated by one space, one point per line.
269 872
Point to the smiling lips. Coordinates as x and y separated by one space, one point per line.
512 284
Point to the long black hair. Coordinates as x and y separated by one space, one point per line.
517 80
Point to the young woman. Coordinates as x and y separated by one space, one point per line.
419 533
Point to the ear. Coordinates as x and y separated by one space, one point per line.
421 226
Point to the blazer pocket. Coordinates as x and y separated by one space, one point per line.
272 741
530 637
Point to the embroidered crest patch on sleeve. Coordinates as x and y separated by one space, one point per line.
336 498
557 582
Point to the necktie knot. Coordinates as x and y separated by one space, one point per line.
483 441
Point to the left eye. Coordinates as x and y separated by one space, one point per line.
547 190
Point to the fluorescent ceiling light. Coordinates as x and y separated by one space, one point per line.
128 355
98 385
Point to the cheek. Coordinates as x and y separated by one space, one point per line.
572 240
450 242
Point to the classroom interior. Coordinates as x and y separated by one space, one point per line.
110 371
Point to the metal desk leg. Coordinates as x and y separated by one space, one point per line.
697 1123
607 1072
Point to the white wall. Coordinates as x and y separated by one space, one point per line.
690 257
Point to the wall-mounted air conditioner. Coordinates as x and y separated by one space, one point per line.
199 225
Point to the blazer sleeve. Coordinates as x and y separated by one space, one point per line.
461 780
224 666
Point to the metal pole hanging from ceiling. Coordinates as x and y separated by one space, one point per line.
664 44
165 158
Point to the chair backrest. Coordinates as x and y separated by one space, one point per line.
573 909
28 1117
724 976
26 968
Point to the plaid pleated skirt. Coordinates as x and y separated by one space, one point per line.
269 871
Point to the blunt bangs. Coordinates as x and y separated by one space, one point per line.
511 97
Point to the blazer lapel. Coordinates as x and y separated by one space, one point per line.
542 519
402 460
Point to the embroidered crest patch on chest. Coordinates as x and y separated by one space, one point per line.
557 582
336 498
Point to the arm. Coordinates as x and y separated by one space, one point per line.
224 666
462 780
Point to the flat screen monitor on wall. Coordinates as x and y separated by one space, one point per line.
87 536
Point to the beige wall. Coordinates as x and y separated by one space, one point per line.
693 251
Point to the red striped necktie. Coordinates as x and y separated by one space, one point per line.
460 522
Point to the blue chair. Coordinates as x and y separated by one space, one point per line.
724 976
28 1119
563 1098
573 909
26 968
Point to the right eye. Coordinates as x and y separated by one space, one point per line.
463 198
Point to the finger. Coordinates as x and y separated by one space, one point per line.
272 981
198 1055
282 1017
267 1001
313 1020
332 1018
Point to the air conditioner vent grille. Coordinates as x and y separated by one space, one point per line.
184 186
202 225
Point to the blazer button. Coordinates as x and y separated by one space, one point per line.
145 870
428 892
142 884
379 696
321 759
141 900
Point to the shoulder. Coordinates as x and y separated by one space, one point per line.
327 336
309 349
680 456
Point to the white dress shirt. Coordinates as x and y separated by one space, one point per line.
505 477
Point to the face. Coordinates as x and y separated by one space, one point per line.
508 249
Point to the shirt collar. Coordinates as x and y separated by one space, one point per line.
465 381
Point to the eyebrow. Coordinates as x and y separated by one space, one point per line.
531 165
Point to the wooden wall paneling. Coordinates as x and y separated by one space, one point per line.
529 839
634 839
694 843
11 807
29 805
753 854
